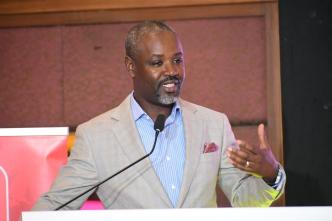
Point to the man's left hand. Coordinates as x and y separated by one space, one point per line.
257 160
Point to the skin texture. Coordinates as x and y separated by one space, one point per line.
159 61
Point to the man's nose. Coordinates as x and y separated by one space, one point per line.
171 70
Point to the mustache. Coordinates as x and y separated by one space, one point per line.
174 79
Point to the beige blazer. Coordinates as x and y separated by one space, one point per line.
111 141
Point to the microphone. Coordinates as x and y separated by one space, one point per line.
159 125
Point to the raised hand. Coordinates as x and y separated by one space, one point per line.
258 160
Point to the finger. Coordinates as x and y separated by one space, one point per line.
262 136
246 147
238 156
242 161
237 153
248 167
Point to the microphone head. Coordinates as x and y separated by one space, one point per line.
159 123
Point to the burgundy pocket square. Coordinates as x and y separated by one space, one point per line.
210 147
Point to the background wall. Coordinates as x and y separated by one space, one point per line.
43 79
65 75
306 64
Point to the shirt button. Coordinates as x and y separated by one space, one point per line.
173 187
168 158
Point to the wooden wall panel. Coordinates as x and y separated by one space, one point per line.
39 6
128 11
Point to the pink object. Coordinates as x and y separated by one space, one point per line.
31 163
210 147
4 197
92 205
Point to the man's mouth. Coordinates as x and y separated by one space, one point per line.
170 86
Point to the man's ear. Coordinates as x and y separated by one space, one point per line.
130 65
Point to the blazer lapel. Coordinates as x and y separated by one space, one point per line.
129 139
193 135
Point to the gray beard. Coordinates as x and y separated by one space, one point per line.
164 98
167 100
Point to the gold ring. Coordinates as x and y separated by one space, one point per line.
247 163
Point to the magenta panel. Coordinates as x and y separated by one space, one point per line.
31 77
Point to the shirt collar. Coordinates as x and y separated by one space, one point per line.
138 112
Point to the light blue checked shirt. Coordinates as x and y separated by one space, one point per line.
169 154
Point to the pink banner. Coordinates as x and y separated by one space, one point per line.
28 166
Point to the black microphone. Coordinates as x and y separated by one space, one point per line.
158 127
159 124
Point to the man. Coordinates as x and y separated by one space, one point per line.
194 152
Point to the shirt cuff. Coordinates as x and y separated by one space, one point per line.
277 185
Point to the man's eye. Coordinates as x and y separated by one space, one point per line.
178 60
156 63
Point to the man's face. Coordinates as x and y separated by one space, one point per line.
158 68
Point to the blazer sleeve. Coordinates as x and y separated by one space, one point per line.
75 177
241 188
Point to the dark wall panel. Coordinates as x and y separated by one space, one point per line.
306 52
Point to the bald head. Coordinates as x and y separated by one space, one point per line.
136 33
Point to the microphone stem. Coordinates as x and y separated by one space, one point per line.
120 171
